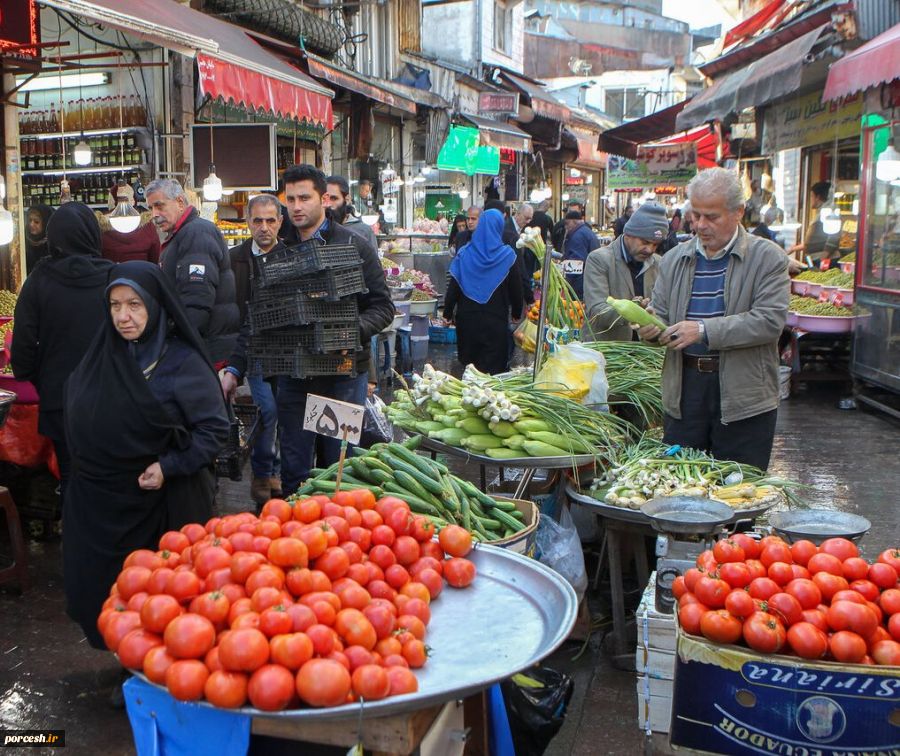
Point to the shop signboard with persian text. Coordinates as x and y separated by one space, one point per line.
805 121
660 165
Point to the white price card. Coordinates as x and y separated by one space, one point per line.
333 418
573 267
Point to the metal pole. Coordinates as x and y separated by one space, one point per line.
542 315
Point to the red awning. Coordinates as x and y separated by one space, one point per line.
876 62
624 140
374 89
706 145
752 25
232 65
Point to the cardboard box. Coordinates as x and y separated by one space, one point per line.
733 700
523 541
654 699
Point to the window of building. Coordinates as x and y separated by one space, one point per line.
502 27
625 104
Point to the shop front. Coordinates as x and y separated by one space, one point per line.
584 178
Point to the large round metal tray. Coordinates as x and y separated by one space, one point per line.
470 646
604 509
539 463
687 514
818 524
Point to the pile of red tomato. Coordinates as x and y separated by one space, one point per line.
320 601
816 602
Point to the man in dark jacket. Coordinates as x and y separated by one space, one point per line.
305 187
558 234
264 221
195 258
60 310
580 242
337 200
542 220
619 225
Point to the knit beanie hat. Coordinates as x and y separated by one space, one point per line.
648 222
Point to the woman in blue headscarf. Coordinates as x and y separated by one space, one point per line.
485 291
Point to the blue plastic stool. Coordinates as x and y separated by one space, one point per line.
163 726
499 734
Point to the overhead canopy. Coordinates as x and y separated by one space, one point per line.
773 76
498 134
374 89
876 62
624 140
232 65
542 102
706 145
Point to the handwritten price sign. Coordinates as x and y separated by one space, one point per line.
333 418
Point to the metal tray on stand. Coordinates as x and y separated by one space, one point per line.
538 463
607 510
470 649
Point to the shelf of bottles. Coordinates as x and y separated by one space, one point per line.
92 189
113 137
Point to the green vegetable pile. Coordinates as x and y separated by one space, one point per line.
811 306
851 258
634 375
7 303
503 418
830 277
426 485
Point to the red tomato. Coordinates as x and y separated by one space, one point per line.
691 576
174 541
736 574
323 682
775 552
817 618
189 636
855 568
243 650
890 601
763 587
213 605
456 541
847 647
802 551
866 588
301 617
707 561
422 529
800 571
689 616
134 647
334 562
354 628
276 621
728 550
757 569
460 572
678 587
822 562
382 555
156 662
288 552
786 608
382 619
185 586
883 575
322 638
416 653
271 688
880 634
750 545
371 682
849 595
807 641
432 581
887 652
894 626
781 572
740 603
158 611
848 615
399 521
889 556
227 690
829 583
406 549
764 633
712 592
720 626
132 580
402 680
186 679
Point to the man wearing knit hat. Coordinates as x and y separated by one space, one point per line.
625 269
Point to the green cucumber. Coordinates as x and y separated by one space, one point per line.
412 442
429 484
381 477
407 481
360 470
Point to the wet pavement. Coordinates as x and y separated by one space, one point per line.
50 678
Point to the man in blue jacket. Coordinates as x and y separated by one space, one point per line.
195 259
580 242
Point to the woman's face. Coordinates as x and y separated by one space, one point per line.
460 225
35 224
128 312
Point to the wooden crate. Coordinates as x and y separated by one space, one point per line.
654 698
654 662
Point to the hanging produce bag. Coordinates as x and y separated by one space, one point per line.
536 702
559 547
526 335
575 372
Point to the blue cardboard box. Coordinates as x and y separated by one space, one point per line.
735 701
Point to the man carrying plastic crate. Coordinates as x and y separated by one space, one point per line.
305 187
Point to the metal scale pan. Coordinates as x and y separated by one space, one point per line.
818 524
687 515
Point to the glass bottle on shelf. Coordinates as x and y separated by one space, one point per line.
54 120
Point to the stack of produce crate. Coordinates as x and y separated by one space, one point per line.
304 318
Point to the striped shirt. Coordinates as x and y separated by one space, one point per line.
708 290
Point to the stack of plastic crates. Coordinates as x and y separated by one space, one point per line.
304 318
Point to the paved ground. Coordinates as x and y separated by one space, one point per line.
50 678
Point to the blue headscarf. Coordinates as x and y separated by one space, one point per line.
482 264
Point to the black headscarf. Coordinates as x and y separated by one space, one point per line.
111 413
36 245
73 230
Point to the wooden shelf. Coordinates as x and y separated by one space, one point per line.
79 171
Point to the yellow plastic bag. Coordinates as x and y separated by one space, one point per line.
526 335
565 376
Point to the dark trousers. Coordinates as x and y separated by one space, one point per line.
298 446
746 441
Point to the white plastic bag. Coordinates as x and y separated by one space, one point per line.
599 392
376 427
559 547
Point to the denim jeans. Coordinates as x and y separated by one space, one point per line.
264 457
299 447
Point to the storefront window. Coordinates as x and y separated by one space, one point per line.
881 263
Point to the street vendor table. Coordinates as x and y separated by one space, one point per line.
530 465
624 528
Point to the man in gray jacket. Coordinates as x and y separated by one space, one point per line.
725 294
625 269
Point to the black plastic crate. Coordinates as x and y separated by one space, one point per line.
245 426
284 306
318 338
333 283
301 364
307 257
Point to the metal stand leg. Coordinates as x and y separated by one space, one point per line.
618 593
483 472
522 488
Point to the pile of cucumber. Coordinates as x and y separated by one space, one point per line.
425 484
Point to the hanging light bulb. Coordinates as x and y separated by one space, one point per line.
82 153
463 193
212 186
887 167
124 218
420 178
7 227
